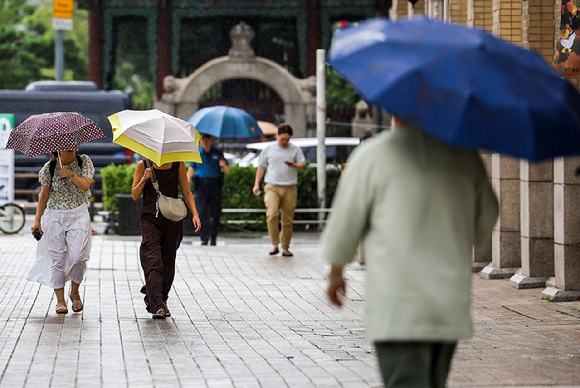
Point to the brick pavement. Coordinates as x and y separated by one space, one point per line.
244 319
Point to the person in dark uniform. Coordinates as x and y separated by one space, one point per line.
208 179
160 237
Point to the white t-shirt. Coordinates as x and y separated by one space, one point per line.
273 158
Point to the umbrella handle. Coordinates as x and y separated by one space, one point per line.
59 159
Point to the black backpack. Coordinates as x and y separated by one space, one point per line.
52 166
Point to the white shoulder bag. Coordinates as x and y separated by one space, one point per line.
172 208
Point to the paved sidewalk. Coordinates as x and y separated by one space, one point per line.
244 319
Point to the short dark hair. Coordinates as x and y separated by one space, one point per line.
285 128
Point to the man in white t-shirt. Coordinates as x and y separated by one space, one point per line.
282 160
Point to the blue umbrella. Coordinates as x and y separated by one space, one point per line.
462 85
225 121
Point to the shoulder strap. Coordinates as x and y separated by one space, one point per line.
154 178
52 166
80 161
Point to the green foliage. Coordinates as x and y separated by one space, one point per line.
27 44
237 191
132 67
14 11
338 90
117 179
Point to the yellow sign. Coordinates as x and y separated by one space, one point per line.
63 9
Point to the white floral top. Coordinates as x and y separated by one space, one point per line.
64 194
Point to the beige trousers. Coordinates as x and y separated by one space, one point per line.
280 198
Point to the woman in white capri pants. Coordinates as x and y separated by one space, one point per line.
63 218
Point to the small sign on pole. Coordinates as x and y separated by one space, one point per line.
62 16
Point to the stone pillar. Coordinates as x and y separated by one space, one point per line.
506 244
537 225
163 43
482 253
314 36
565 286
479 14
96 45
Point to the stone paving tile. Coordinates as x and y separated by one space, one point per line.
241 318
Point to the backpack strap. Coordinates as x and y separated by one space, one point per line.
52 166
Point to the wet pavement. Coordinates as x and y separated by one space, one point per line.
242 318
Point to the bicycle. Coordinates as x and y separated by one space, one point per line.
11 217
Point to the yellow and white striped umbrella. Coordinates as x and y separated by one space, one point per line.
156 135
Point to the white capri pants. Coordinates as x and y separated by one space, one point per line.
64 249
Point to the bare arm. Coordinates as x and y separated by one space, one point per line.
298 166
190 173
259 175
188 196
82 183
42 200
224 165
139 180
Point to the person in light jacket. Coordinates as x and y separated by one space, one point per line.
419 206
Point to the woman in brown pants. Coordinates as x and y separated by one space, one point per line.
161 237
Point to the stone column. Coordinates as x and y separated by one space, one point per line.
565 286
537 225
96 44
313 32
482 253
506 244
163 43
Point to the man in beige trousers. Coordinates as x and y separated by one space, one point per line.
282 161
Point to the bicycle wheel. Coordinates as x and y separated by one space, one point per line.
11 218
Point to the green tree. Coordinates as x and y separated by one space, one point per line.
338 90
27 44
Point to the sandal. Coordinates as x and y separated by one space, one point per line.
167 313
77 304
61 308
160 314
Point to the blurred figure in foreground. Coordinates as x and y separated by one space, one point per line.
283 160
208 181
418 205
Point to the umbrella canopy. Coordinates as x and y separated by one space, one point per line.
462 85
268 128
50 132
156 135
225 121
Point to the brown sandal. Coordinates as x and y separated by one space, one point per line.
78 306
61 308
167 313
160 314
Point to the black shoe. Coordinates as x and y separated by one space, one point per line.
204 243
213 243
160 314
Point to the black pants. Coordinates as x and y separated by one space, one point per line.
414 364
208 200
161 238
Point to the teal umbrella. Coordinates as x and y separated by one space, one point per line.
224 121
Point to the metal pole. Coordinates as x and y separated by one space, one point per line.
321 130
59 55
445 11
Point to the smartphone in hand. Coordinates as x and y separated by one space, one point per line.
37 235
289 164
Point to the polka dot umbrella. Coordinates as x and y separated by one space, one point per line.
50 132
